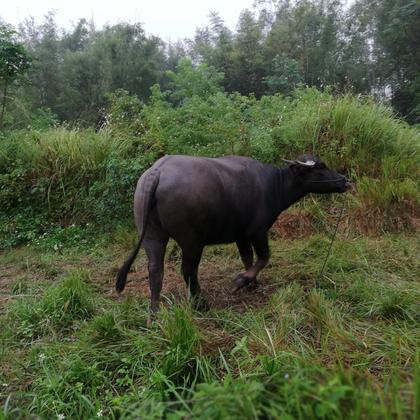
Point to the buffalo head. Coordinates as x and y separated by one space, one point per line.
314 176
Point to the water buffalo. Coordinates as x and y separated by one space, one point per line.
199 201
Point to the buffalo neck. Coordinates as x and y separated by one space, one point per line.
289 189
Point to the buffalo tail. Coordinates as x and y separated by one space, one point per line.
151 181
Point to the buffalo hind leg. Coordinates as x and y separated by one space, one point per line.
190 262
155 250
260 244
246 253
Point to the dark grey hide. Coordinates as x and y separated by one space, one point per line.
201 201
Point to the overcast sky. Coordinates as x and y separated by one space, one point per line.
170 20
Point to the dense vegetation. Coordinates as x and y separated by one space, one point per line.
368 48
56 178
83 113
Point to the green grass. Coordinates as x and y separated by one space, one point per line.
343 345
57 310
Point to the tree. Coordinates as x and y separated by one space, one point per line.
356 61
397 37
46 74
214 46
187 81
14 62
74 70
285 75
77 39
249 64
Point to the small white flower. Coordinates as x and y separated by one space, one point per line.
61 416
41 357
286 376
99 413
5 385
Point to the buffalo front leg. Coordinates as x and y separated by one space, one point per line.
260 244
190 261
155 250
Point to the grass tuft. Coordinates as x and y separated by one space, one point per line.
57 310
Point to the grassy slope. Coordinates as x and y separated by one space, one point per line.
300 345
54 178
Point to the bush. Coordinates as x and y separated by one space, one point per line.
66 176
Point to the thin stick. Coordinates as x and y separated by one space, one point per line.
331 243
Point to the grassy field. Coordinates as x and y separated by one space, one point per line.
300 345
340 345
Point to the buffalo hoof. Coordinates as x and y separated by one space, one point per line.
241 281
253 284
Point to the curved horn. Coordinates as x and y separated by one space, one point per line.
288 161
308 164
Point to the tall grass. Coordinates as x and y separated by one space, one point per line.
363 140
351 133
59 177
58 152
64 176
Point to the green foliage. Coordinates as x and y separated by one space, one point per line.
179 366
124 113
248 57
285 75
357 133
53 179
396 36
56 311
208 127
187 81
75 70
64 177
14 63
368 48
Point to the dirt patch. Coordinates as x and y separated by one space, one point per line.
368 220
293 225
372 221
216 274
8 275
216 285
